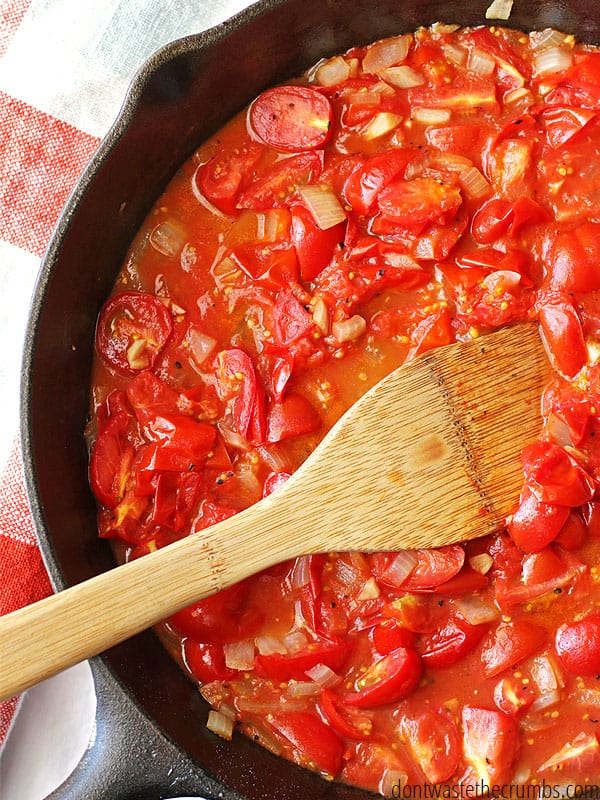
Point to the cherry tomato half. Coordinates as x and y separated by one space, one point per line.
451 643
390 679
314 741
292 118
133 328
578 645
509 644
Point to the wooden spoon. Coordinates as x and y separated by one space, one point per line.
430 455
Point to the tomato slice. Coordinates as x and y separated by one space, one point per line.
314 742
315 247
238 384
434 741
578 645
276 187
451 643
509 644
292 118
490 744
350 722
132 330
388 680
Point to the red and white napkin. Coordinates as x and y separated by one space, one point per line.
64 71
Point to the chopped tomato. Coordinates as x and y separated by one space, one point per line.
313 741
292 117
554 476
133 328
276 187
451 643
562 123
349 722
364 184
578 645
490 744
434 567
580 756
111 459
433 739
535 523
573 261
563 334
499 216
509 644
292 320
389 635
513 695
388 680
238 384
272 264
222 177
206 662
279 667
293 415
314 247
417 201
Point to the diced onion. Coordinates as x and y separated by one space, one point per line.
404 77
364 98
454 54
269 645
548 37
323 675
392 782
301 572
303 689
558 431
382 123
295 641
168 238
239 655
401 567
334 70
225 272
401 261
516 95
586 697
200 344
369 591
501 280
220 724
552 60
499 9
476 610
386 53
480 62
324 205
320 314
474 183
546 674
443 28
349 330
545 701
481 563
431 116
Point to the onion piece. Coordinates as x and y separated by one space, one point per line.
403 564
349 330
364 98
382 123
474 183
239 655
323 675
334 70
320 314
369 591
552 60
501 281
476 610
480 62
404 77
297 689
295 641
482 563
431 116
168 237
454 54
548 37
545 701
200 344
324 205
220 724
547 674
386 53
269 645
499 9
301 572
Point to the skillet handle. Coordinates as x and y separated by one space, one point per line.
129 758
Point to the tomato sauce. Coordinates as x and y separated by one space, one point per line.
426 189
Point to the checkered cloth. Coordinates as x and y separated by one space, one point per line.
64 70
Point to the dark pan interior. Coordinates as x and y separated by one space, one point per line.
184 93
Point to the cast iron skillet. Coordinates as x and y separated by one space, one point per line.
150 741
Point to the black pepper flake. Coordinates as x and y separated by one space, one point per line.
593 720
178 364
558 590
440 603
381 272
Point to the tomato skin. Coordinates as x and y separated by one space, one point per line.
238 384
349 725
562 123
563 334
221 178
512 696
450 644
111 459
510 643
389 636
315 741
292 118
573 260
131 316
499 216
577 645
417 201
364 183
292 321
276 187
434 567
388 680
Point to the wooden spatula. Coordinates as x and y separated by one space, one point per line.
429 456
